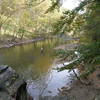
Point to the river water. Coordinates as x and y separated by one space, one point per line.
35 62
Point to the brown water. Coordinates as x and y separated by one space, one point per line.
35 65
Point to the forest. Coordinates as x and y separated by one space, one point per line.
49 50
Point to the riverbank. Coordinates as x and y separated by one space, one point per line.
8 44
77 90
70 46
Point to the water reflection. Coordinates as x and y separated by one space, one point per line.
29 56
36 66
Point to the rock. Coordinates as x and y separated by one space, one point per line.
55 98
3 68
22 92
65 88
49 91
5 96
98 97
10 82
7 76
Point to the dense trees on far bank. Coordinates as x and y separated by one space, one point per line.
22 19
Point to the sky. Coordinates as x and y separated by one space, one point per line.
70 4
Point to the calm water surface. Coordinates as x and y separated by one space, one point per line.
36 66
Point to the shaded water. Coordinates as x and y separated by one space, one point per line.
36 66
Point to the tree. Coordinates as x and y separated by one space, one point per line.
25 18
86 25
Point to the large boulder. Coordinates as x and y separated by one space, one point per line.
10 82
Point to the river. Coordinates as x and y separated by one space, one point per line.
35 62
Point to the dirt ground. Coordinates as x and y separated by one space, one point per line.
79 91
